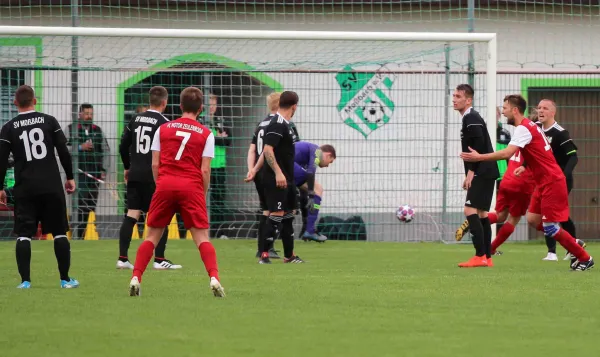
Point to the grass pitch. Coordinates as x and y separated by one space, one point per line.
350 299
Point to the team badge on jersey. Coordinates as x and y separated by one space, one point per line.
365 100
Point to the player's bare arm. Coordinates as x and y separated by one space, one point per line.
251 157
468 180
504 154
206 173
155 164
269 156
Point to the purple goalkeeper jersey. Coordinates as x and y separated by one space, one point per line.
306 161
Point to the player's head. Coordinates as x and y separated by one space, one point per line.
513 108
533 114
191 100
462 97
86 112
546 110
213 104
158 97
288 102
327 155
273 102
24 97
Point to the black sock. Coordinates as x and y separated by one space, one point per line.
551 244
62 251
476 230
159 251
569 226
23 253
271 232
287 235
262 221
487 236
125 237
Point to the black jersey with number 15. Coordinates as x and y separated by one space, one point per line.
135 145
32 137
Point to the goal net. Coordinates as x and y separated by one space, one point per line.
383 100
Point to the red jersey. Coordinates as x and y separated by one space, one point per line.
537 152
523 183
182 144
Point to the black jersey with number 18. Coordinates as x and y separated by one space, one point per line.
136 142
32 137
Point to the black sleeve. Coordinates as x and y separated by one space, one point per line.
566 143
274 133
473 131
60 143
125 145
220 141
570 165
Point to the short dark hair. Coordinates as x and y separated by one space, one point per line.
24 96
469 92
329 149
551 102
517 101
288 99
85 106
191 100
157 95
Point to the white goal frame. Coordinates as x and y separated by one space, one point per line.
489 38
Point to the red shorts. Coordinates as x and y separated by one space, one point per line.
190 204
515 202
551 200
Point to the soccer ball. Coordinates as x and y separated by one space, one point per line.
405 213
373 112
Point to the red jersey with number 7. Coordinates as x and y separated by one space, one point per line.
537 152
182 144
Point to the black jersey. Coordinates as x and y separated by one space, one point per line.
561 143
474 134
135 145
296 136
32 137
280 136
259 136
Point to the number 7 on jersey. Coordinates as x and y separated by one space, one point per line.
186 137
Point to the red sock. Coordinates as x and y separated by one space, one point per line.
209 257
570 244
493 217
142 258
505 231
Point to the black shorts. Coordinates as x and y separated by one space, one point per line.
480 194
49 209
261 193
139 195
280 199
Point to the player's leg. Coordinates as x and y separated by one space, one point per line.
134 207
303 201
313 214
161 211
25 228
54 220
510 207
504 232
477 203
276 199
569 225
262 221
160 261
287 230
195 217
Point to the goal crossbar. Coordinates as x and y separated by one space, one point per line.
245 34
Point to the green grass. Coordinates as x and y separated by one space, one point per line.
350 299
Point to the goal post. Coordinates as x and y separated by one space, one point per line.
383 161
